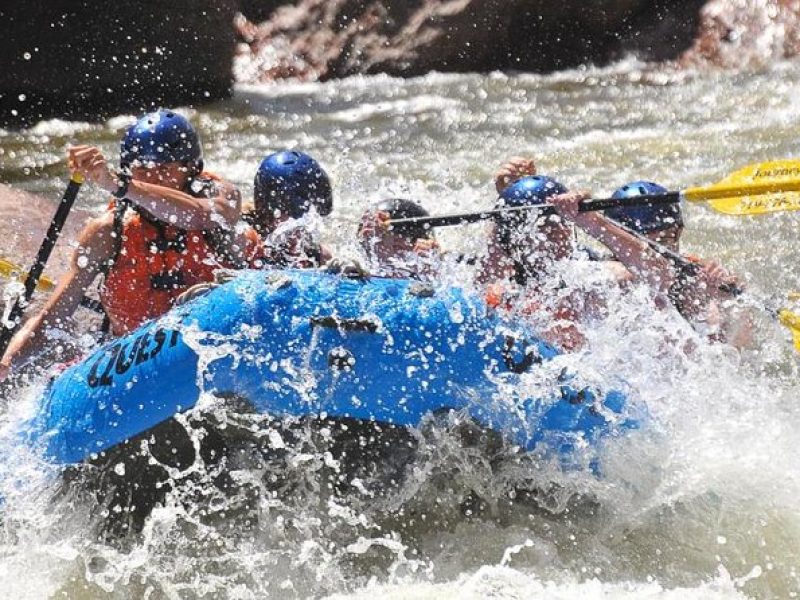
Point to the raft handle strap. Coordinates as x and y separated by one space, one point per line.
330 322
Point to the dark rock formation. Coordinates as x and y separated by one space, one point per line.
323 39
90 58
260 10
334 38
736 34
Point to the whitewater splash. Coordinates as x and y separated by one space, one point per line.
703 504
309 508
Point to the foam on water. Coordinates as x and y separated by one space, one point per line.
702 502
504 582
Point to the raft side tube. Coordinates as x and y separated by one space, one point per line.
306 343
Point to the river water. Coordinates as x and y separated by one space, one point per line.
704 503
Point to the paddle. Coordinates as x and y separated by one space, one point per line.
35 273
752 190
785 317
545 209
9 269
791 321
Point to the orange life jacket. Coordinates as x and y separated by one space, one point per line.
154 264
500 296
497 296
564 333
693 258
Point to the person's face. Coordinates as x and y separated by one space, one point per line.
173 175
271 213
387 245
269 220
552 237
670 237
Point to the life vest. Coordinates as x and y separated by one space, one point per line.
513 299
497 296
155 262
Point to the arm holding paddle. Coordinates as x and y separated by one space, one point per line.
165 203
94 250
697 289
639 255
703 291
635 254
158 189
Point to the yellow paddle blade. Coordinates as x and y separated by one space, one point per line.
754 190
792 322
9 269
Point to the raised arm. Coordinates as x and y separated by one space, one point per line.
642 261
174 206
513 169
185 211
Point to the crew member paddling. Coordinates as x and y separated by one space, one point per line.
407 250
169 226
530 252
524 251
702 295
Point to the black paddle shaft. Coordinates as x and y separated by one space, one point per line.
643 200
681 262
50 239
544 209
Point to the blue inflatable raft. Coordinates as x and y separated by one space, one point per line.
305 343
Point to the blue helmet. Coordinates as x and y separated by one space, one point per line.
161 137
292 182
645 219
530 191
